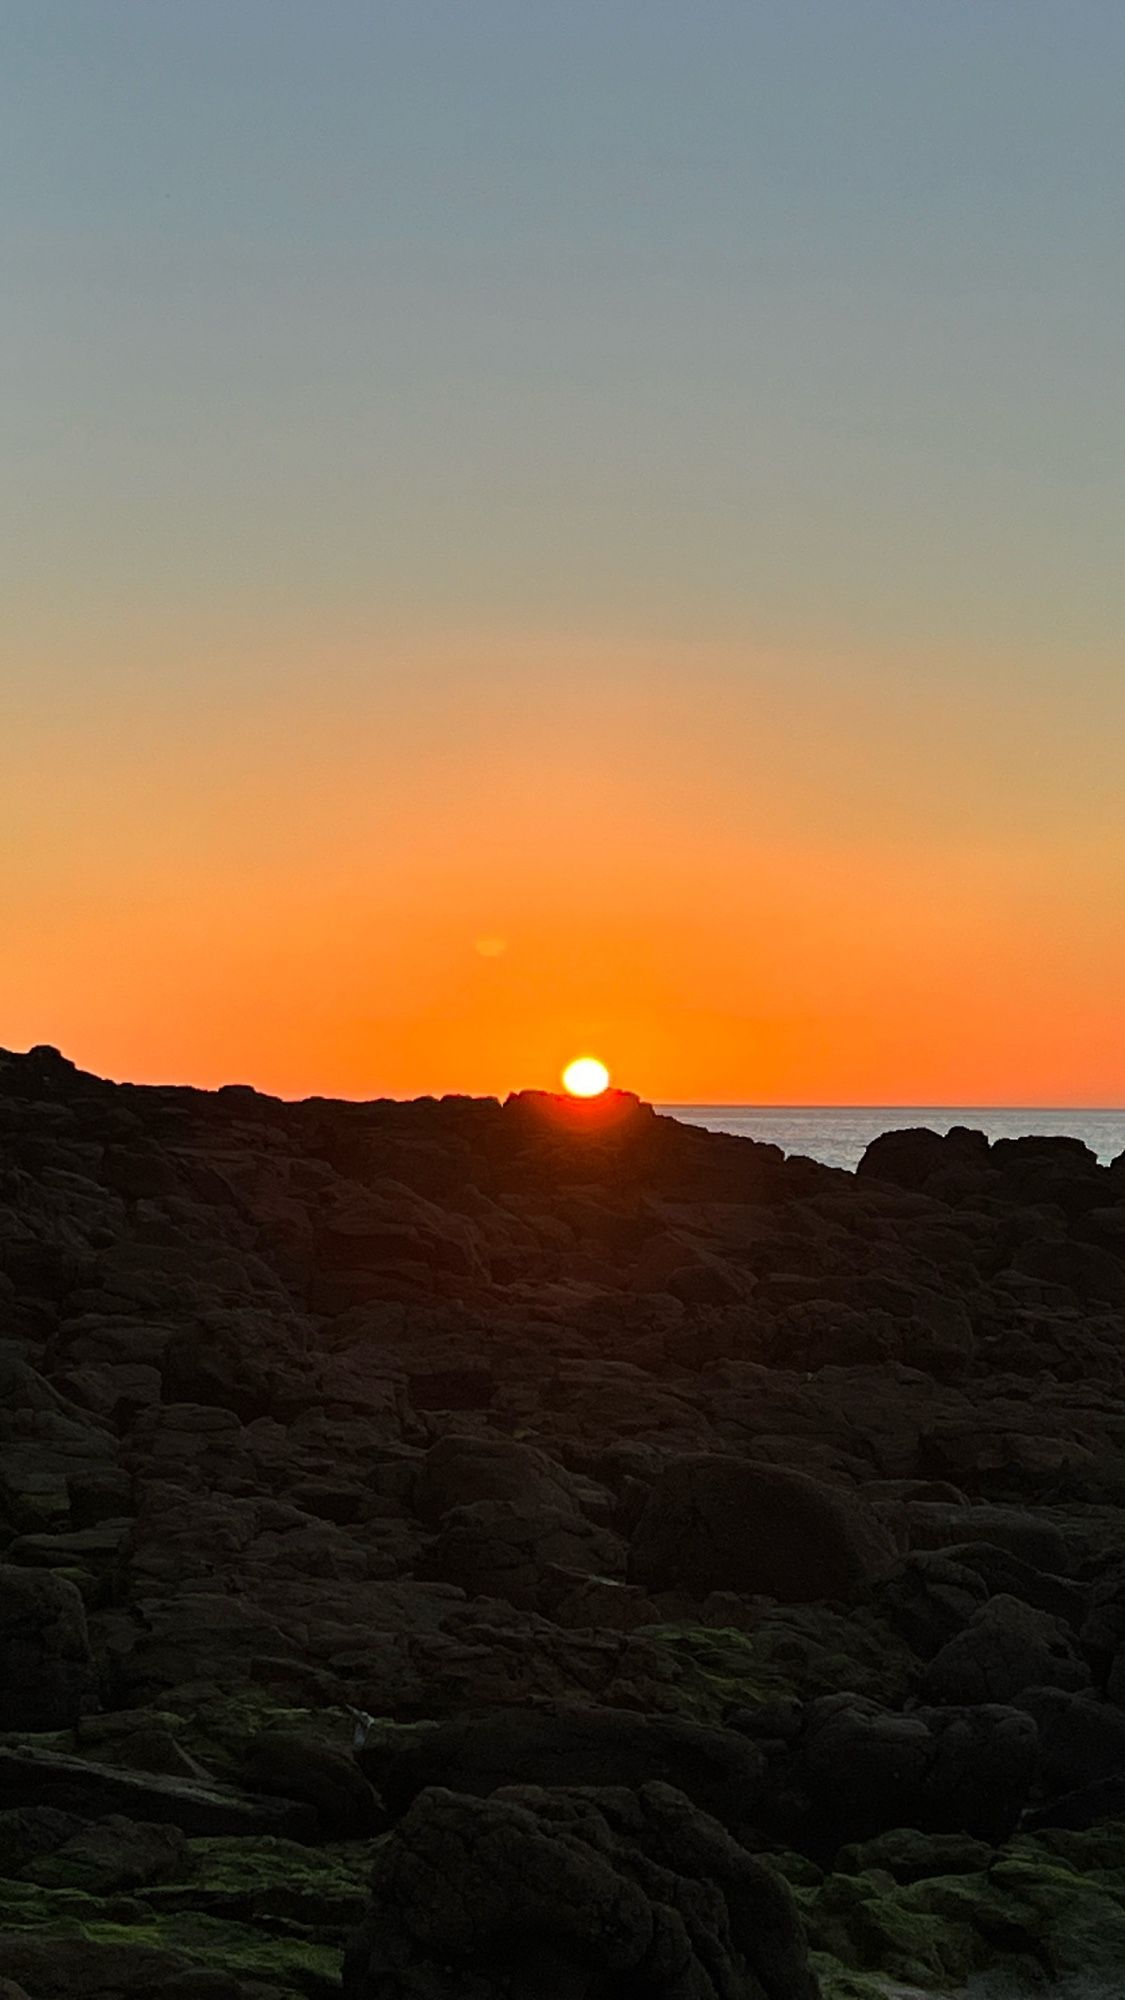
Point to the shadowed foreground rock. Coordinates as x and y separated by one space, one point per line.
582 1523
570 1895
716 1523
47 1673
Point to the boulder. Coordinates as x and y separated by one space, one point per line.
1085 1807
716 1768
32 1776
109 1856
47 1673
26 1832
911 1856
1085 1269
495 1548
557 1895
1080 1740
928 1598
913 1156
1007 1647
859 1770
459 1471
716 1523
935 1524
283 1763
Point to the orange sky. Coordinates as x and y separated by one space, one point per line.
539 530
381 865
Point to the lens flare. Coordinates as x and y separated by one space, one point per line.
585 1077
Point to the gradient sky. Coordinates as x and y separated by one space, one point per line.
532 528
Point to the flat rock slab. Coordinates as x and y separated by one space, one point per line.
47 1777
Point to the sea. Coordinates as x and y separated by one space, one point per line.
838 1133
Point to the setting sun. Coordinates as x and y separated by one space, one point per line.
585 1077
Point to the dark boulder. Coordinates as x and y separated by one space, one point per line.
47 1673
1080 1740
935 1524
1091 1273
911 1856
561 1895
495 1548
110 1856
1007 1647
714 1523
460 1471
928 1598
911 1157
32 1776
283 1763
1077 1810
859 1770
718 1770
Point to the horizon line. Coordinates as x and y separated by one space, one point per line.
758 1104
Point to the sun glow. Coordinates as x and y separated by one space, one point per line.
585 1077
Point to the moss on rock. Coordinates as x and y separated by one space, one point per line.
794 1653
1044 1909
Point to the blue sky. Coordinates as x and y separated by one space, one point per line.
808 315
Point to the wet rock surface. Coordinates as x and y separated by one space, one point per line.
565 1552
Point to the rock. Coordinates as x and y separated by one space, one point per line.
911 1856
284 1764
1004 1573
859 1771
47 1673
115 1854
936 1525
360 1406
1080 1740
459 1471
675 1264
1085 1269
1103 1628
714 1523
29 1831
495 1548
557 1895
74 1784
80 1968
1006 1648
717 1769
1102 1800
928 1598
913 1156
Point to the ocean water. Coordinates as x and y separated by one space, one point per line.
837 1133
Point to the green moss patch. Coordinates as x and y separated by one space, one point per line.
796 1652
293 1965
1040 1913
265 1910
317 1892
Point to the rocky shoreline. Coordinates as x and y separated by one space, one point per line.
542 1551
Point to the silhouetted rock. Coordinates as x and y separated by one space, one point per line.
361 1462
47 1672
716 1523
859 1771
913 1156
717 1769
575 1895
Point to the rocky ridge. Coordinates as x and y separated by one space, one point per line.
541 1549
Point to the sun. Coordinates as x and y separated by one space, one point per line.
585 1077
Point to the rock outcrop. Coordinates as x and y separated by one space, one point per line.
568 1551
